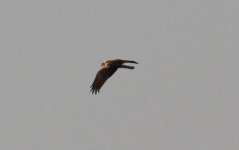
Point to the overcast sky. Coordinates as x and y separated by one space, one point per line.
183 94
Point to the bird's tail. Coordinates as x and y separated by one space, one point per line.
130 61
127 67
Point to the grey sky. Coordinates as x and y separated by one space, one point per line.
183 94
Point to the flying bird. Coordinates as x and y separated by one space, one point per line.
108 69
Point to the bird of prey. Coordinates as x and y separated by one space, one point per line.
108 69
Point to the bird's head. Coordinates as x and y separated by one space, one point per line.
103 64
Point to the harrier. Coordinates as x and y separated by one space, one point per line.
108 69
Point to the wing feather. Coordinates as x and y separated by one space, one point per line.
102 75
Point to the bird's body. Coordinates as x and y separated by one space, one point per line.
108 69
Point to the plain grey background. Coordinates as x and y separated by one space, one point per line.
183 94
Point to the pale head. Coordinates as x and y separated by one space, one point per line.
103 64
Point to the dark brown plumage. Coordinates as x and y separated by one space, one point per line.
107 70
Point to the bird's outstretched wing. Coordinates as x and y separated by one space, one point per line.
102 75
